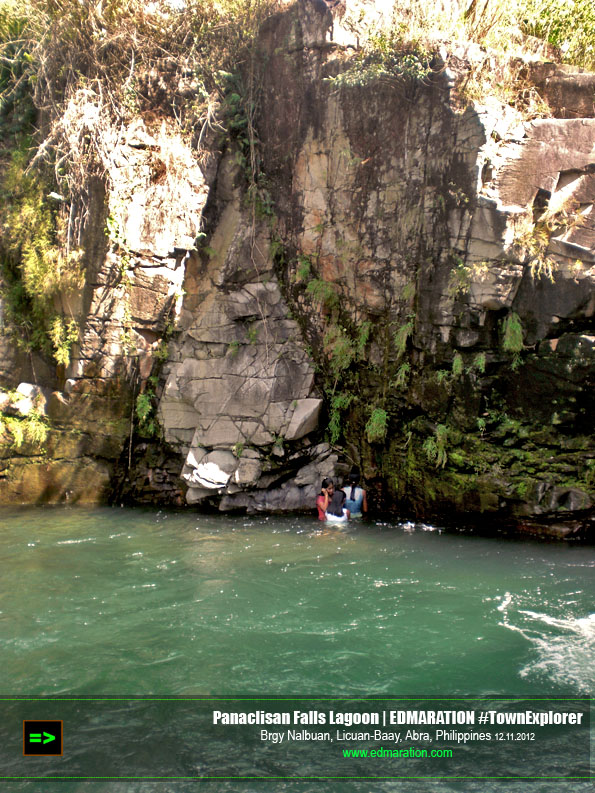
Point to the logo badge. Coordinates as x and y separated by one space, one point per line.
42 738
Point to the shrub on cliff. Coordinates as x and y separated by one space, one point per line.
36 263
566 25
402 42
71 74
88 67
133 55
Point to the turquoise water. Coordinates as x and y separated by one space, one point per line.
119 601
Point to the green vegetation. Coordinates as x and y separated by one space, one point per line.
323 293
37 266
402 376
440 458
462 276
17 111
569 27
377 426
341 346
304 268
145 409
458 367
126 339
340 349
338 403
161 351
533 244
402 335
435 446
512 337
252 332
479 362
363 336
408 291
32 428
63 334
386 55
459 280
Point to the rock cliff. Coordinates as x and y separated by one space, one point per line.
406 285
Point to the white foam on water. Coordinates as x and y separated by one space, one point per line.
506 601
564 647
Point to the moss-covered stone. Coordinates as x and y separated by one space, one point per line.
39 481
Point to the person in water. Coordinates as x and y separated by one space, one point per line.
356 501
327 489
336 509
330 504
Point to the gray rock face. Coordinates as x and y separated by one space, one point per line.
150 204
453 229
239 375
570 92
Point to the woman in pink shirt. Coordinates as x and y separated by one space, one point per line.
327 489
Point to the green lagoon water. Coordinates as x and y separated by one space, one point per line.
138 602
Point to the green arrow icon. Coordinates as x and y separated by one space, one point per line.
35 737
